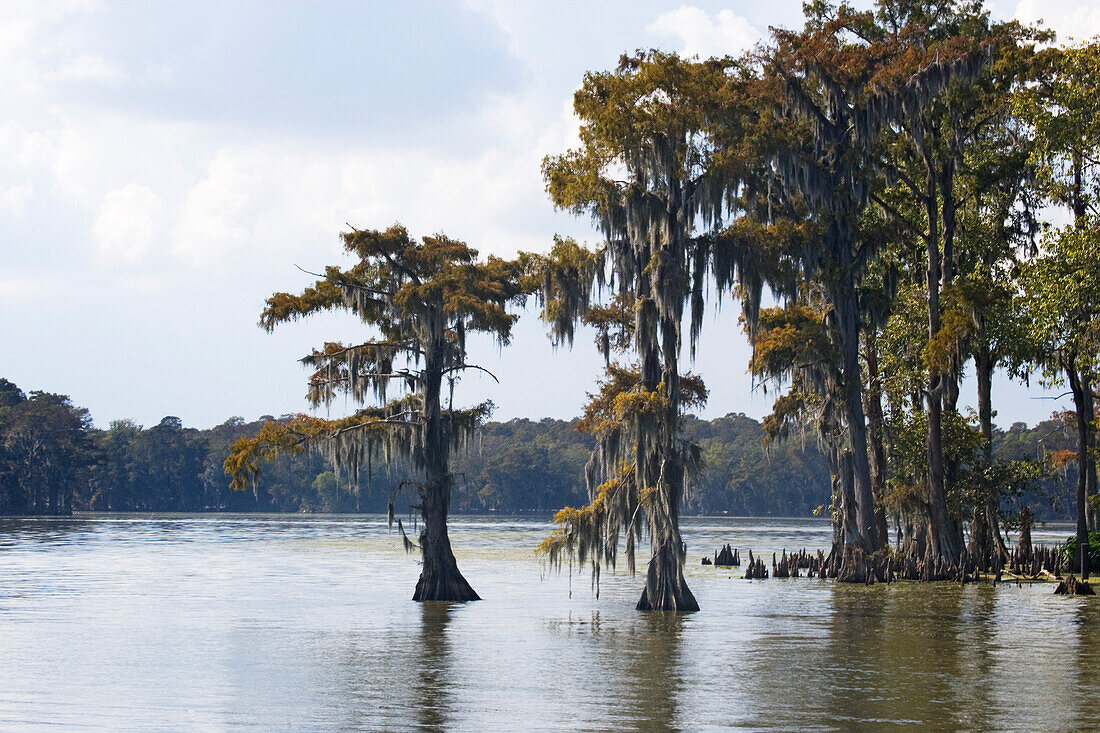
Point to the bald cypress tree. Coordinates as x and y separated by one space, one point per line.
847 81
645 173
420 298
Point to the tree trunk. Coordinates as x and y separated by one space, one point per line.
850 516
1080 211
941 534
949 206
665 588
440 578
837 513
1078 383
1090 474
985 527
847 311
1024 544
876 433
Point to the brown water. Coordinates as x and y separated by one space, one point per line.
304 623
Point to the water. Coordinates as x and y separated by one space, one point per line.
271 623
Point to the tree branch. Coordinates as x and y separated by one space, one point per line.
384 293
401 346
897 215
381 421
459 367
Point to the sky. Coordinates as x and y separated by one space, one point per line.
166 166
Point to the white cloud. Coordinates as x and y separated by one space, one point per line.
1071 19
142 283
13 199
129 223
703 35
87 68
22 288
29 38
23 151
91 153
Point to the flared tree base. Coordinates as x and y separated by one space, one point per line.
666 589
685 602
444 586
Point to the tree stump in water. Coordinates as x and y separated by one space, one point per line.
756 569
854 568
787 567
1071 586
726 557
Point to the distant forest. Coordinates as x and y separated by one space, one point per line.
53 461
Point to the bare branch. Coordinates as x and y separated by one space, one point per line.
459 367
314 274
1058 397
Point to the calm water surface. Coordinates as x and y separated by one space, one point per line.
270 623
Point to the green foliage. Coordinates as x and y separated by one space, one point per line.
1062 299
1069 550
900 346
1063 113
513 467
962 442
742 478
46 451
1009 483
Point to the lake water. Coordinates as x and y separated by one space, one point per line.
266 623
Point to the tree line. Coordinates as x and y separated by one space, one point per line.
53 461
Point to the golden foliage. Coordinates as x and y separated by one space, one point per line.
621 398
1061 458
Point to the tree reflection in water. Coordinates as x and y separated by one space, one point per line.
432 698
655 672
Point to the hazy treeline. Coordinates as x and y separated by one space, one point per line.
52 461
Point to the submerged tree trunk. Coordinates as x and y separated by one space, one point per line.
1080 384
440 578
665 586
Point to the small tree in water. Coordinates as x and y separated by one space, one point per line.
421 298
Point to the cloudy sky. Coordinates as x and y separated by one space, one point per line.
165 166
